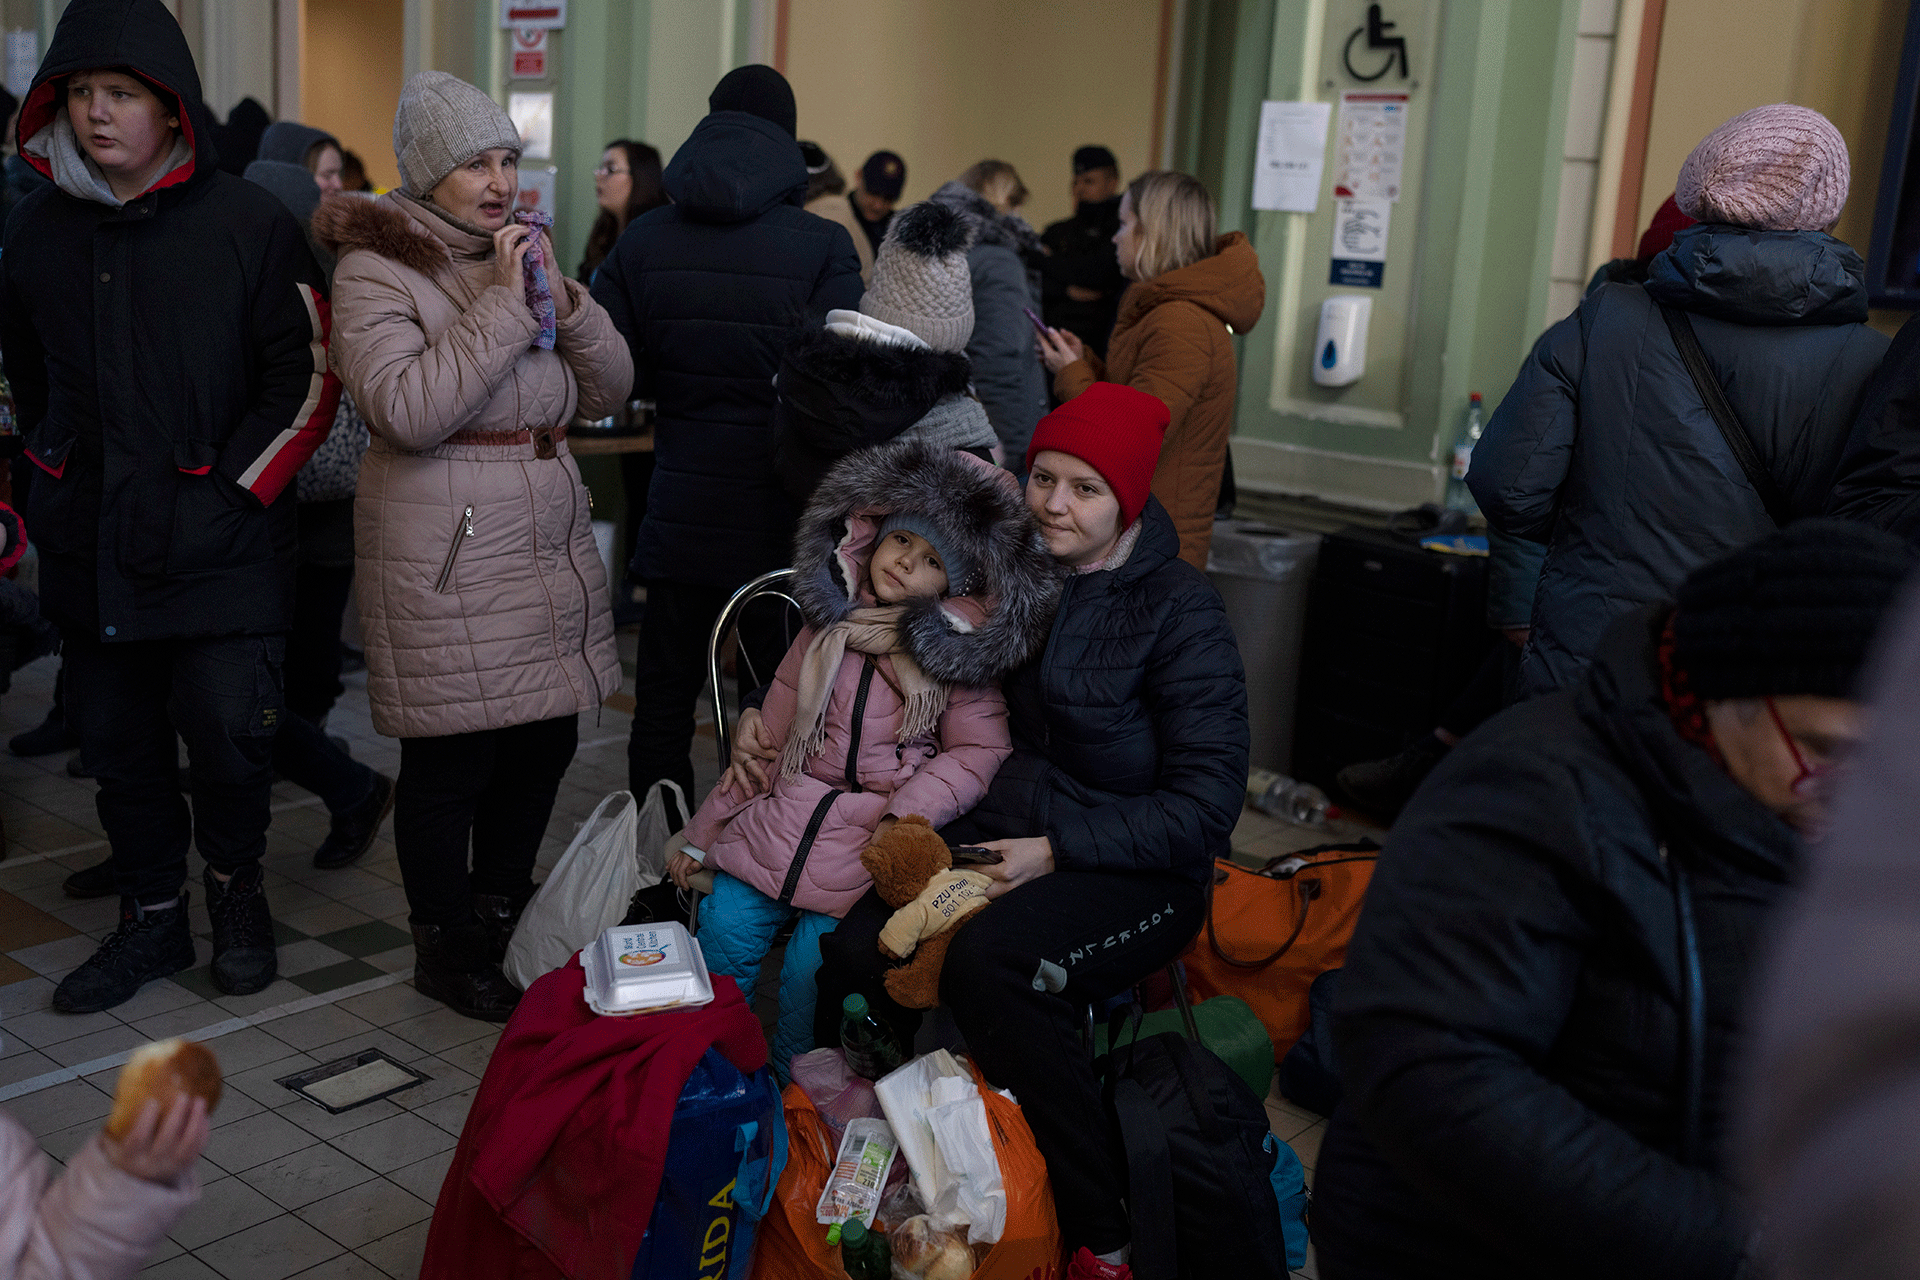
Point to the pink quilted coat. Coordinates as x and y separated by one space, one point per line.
482 596
92 1222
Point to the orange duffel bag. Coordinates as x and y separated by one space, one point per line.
790 1245
1270 932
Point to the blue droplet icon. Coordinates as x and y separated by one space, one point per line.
1327 357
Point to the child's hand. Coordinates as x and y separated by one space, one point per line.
162 1147
680 868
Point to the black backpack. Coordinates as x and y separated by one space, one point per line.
1201 1161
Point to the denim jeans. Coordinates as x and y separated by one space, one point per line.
132 703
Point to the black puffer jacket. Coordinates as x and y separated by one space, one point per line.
1879 482
1603 449
169 360
708 290
1511 1023
1130 728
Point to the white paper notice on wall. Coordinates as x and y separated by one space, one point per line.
1370 144
533 116
23 59
1360 242
1291 156
539 188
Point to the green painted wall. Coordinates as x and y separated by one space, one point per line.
1470 244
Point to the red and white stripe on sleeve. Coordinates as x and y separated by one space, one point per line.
274 469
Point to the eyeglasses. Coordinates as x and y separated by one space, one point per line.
607 171
1812 778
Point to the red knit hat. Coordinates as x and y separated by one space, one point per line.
1114 429
1667 219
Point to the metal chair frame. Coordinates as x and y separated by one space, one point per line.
777 584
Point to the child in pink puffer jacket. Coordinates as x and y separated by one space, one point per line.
922 581
103 1217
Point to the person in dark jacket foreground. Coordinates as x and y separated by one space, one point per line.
707 292
166 336
1542 1005
1831 1115
1879 480
1603 448
1128 767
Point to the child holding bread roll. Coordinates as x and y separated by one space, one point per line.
103 1217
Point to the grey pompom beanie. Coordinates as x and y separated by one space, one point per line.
442 123
920 277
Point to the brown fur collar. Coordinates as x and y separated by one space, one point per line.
345 222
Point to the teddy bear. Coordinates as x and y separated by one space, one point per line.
913 870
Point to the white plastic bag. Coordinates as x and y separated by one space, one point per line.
616 853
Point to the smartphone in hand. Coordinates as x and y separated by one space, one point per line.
1039 325
972 855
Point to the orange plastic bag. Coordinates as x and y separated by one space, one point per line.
792 1246
1271 932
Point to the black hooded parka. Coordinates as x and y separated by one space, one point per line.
169 362
708 291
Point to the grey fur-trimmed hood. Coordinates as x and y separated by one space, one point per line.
968 640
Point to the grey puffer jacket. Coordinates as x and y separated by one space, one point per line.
483 597
1604 451
1007 373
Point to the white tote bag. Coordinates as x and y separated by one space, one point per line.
617 852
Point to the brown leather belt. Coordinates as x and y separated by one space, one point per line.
544 439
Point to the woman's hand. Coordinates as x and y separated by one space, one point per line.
753 747
1059 348
738 782
510 245
162 1147
1027 858
562 297
680 868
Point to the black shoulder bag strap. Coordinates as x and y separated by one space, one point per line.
1680 325
1143 1134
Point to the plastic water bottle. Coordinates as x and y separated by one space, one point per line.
870 1048
863 1252
1459 497
1283 797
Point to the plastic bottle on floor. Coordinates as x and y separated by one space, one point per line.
1283 797
870 1048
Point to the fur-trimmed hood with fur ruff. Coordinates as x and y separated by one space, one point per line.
347 221
970 640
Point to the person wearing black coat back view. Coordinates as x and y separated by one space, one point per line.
1604 448
165 331
708 291
1546 1000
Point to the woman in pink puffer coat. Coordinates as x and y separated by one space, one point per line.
923 580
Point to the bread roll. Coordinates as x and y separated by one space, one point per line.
925 1249
163 1071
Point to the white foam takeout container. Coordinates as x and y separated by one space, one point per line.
643 968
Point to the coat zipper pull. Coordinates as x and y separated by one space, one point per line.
453 550
468 519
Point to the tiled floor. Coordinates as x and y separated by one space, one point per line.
288 1189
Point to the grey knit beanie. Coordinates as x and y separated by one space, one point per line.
1775 168
442 123
953 556
920 279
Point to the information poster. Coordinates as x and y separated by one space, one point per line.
529 49
1360 242
533 116
539 188
1291 156
1370 145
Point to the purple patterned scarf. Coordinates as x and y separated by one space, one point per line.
539 291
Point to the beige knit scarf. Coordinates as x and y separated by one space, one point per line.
874 631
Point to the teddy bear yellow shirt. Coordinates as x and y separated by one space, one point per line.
949 895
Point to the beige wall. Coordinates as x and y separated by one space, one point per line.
1840 57
352 64
949 82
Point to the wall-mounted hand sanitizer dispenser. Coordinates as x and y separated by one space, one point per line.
1340 353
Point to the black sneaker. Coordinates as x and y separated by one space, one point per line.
1381 788
52 735
351 833
95 881
244 960
147 945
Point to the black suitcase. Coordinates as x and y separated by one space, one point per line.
1393 634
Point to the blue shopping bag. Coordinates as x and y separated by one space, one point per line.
725 1152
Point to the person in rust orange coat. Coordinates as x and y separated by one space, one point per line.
1192 292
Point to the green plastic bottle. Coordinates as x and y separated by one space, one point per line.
870 1050
863 1253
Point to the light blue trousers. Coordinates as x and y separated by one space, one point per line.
738 925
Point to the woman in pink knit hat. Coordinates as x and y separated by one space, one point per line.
1605 449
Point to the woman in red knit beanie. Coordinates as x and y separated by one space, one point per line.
1126 778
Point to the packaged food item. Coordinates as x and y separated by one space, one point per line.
853 1188
834 1089
923 1249
641 968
